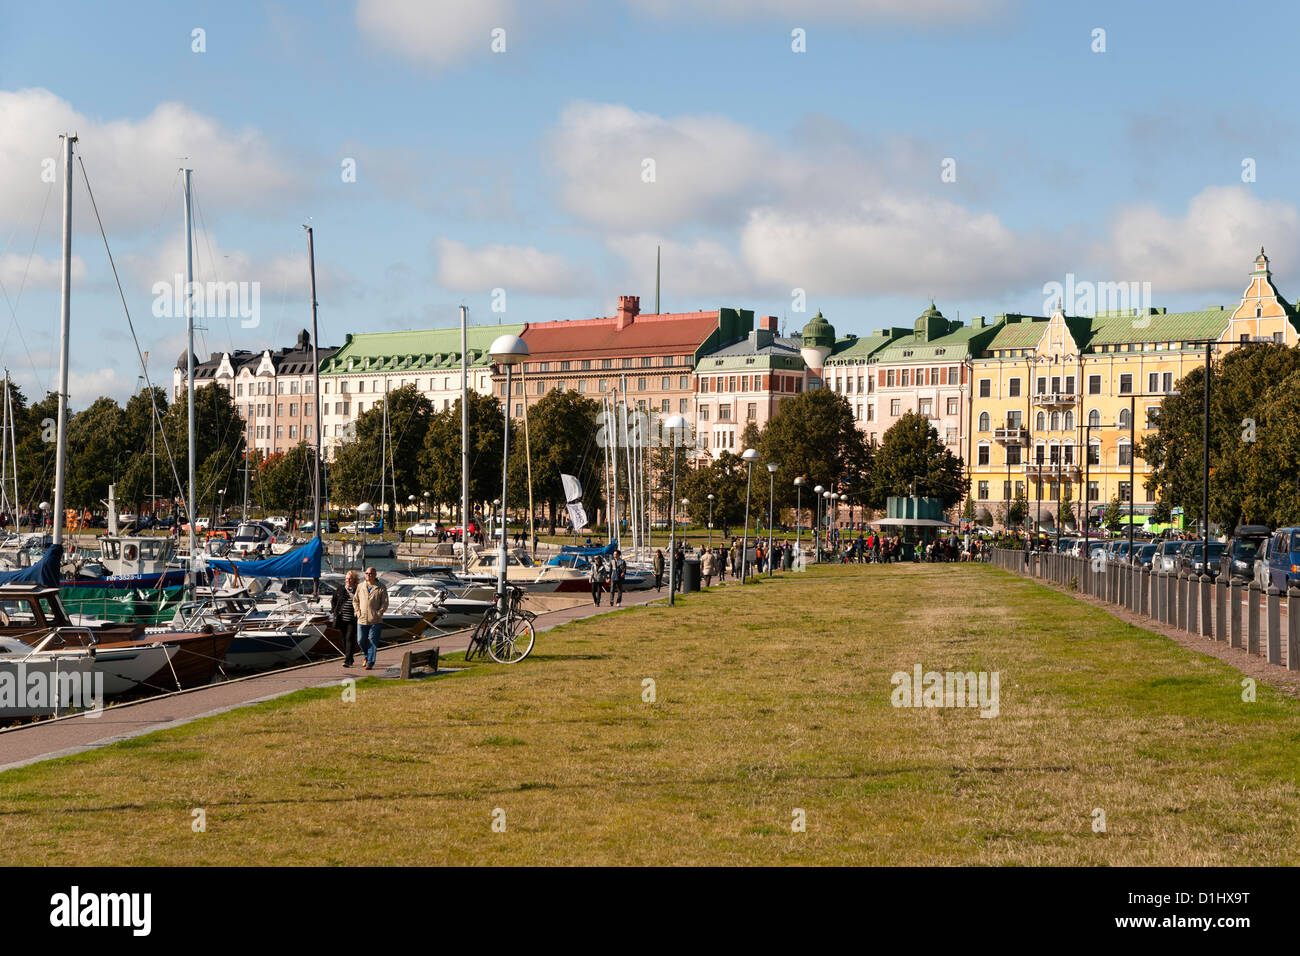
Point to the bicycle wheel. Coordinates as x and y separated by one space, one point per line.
511 640
478 642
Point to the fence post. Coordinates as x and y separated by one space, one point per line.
1193 604
1252 619
1293 628
1220 610
1274 626
1203 592
1234 614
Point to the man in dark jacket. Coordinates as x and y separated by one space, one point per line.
345 616
659 569
598 576
618 575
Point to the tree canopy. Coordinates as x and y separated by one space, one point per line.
911 456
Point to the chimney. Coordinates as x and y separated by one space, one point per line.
767 322
628 308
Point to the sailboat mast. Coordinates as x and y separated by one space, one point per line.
65 317
4 451
315 391
13 456
464 442
383 458
619 425
189 378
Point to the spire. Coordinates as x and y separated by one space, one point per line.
657 279
1261 262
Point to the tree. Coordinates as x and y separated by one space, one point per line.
814 435
1019 509
218 446
440 456
139 436
912 459
1272 461
284 480
560 430
1242 385
36 449
724 478
751 437
97 451
381 466
1161 513
1113 516
1065 513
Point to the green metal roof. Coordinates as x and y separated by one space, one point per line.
1018 332
818 332
958 345
415 350
851 349
1109 328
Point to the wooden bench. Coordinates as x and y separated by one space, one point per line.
413 659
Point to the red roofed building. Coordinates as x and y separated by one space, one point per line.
648 359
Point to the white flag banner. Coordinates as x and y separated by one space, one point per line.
572 489
578 515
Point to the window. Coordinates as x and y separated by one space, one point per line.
1094 418
564 366
646 361
983 493
983 455
640 384
1015 418
519 411
1125 454
926 407
953 406
293 388
541 388
604 384
586 364
1126 383
1094 453
1042 385
1167 382
665 383
895 407
1013 454
751 412
986 387
1125 420
239 390
279 409
541 367
681 405
1125 491
1153 417
293 411
1094 384
1069 421
1153 382
1006 490
1013 387
683 382
871 413
343 388
279 431
704 413
279 390
627 363
1069 384
582 385
1093 491
1040 422
889 378
984 421
664 407
1068 456
293 431
724 413
1056 421
904 377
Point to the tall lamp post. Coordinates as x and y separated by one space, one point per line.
364 511
771 494
817 531
507 350
749 457
675 427
426 512
825 532
798 511
222 505
710 522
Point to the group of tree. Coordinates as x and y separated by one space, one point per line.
1254 444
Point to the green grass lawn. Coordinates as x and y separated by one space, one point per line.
767 701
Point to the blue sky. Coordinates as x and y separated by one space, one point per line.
523 170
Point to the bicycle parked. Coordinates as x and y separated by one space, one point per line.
506 636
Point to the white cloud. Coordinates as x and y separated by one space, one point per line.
513 268
89 384
892 246
16 274
1208 248
131 161
704 167
212 263
437 32
702 268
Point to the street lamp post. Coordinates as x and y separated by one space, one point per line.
710 522
824 529
425 514
507 350
771 494
749 457
817 532
222 505
364 511
675 426
798 511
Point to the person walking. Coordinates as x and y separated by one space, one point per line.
706 567
720 564
370 601
618 578
598 577
679 564
344 616
659 569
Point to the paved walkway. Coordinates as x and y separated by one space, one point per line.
56 738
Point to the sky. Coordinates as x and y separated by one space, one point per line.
524 158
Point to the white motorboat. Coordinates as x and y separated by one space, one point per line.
460 606
523 572
40 682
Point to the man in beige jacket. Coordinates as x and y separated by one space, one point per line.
370 601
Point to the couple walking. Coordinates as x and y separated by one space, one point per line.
613 575
358 612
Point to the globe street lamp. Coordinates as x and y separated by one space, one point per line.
817 534
426 507
45 507
825 531
222 506
364 510
798 512
771 494
749 457
507 350
674 427
710 522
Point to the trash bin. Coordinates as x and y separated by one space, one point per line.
690 575
787 559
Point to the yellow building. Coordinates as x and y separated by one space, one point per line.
1046 388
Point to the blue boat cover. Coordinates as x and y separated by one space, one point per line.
301 562
604 552
44 572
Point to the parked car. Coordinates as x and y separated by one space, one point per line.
1284 558
278 521
1146 554
1190 560
424 529
328 526
1166 558
1262 558
454 531
359 527
1238 560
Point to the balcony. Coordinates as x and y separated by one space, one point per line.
1055 398
1011 435
1051 469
